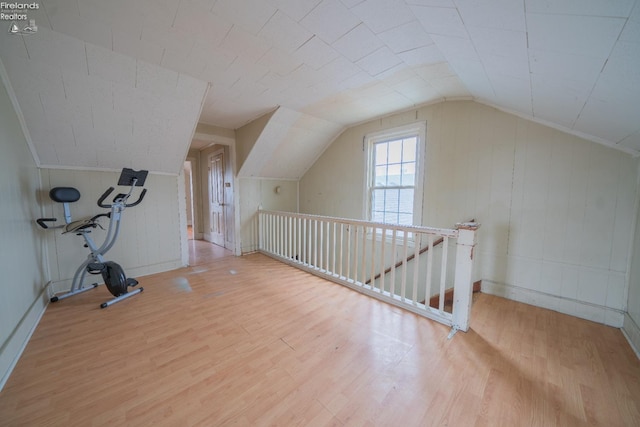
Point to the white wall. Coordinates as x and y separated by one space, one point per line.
256 192
632 317
556 210
23 251
149 240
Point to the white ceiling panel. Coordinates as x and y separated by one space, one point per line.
144 66
618 8
285 33
456 48
406 37
383 15
422 55
379 61
573 34
498 14
443 21
251 16
111 66
616 126
205 27
244 44
316 53
631 142
554 100
578 68
330 20
296 9
357 43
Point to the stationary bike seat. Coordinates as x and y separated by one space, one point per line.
64 194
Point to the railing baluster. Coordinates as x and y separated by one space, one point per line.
349 227
427 292
403 286
327 242
416 267
383 244
392 278
443 273
364 254
314 242
310 239
373 257
340 254
320 245
355 254
290 238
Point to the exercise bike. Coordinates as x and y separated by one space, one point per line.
112 273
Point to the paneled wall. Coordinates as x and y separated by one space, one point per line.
149 240
556 211
270 194
22 250
632 317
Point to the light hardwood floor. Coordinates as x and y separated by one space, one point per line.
252 342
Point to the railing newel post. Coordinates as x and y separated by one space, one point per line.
463 288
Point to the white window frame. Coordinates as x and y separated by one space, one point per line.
419 129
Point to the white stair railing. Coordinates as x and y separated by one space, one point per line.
356 254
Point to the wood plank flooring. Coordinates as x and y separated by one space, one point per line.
252 342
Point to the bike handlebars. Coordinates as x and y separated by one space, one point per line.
42 222
104 196
126 205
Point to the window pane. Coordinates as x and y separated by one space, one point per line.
391 217
391 200
395 151
408 174
378 200
394 164
405 201
405 219
394 175
409 150
381 154
381 175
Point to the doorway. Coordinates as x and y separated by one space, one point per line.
217 222
188 183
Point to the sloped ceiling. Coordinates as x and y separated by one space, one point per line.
104 83
288 144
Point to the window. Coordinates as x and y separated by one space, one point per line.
394 175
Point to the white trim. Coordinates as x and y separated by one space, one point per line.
561 128
92 169
581 309
371 138
182 217
631 332
137 272
15 345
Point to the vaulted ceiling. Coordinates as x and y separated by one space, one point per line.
107 84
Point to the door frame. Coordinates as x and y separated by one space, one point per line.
209 236
200 192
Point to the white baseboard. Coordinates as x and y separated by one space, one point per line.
65 285
16 343
583 310
631 332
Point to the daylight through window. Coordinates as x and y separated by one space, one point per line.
394 175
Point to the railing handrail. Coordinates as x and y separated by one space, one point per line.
413 255
344 250
448 232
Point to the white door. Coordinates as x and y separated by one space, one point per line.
216 197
